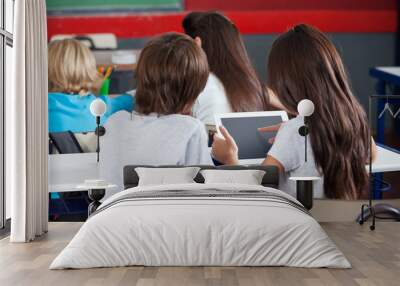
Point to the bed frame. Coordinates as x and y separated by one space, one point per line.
270 179
131 179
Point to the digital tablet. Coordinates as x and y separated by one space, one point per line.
243 126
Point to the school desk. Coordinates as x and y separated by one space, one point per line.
386 76
66 171
122 77
104 58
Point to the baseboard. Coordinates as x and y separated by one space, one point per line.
342 210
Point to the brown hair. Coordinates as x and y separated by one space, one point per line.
228 59
72 68
171 73
304 64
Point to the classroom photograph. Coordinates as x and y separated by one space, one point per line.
199 142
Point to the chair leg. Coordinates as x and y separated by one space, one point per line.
373 214
361 217
378 209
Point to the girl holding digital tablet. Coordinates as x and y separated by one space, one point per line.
233 85
339 132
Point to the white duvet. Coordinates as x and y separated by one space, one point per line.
200 231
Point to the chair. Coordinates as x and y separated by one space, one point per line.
65 142
74 203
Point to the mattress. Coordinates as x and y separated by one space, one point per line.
201 225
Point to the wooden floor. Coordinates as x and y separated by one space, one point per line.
375 257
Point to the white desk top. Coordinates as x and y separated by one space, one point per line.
392 70
305 178
69 170
105 57
386 161
62 188
66 171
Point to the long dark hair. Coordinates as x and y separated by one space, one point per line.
304 64
228 59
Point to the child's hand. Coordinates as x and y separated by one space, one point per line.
272 128
224 148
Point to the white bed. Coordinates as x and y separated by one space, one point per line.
183 230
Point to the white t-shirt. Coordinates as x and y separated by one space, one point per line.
288 149
150 140
212 100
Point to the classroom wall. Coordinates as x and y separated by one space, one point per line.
363 30
360 52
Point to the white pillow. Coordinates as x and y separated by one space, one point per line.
248 177
166 176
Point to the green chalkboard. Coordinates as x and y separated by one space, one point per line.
82 6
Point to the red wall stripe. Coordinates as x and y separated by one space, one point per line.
126 26
250 22
330 21
240 5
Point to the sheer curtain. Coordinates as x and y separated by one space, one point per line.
26 124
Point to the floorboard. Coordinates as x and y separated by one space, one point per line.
375 257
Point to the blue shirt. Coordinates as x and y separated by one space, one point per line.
72 112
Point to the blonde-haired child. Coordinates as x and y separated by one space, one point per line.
73 80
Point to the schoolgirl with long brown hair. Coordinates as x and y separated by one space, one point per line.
304 64
233 85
